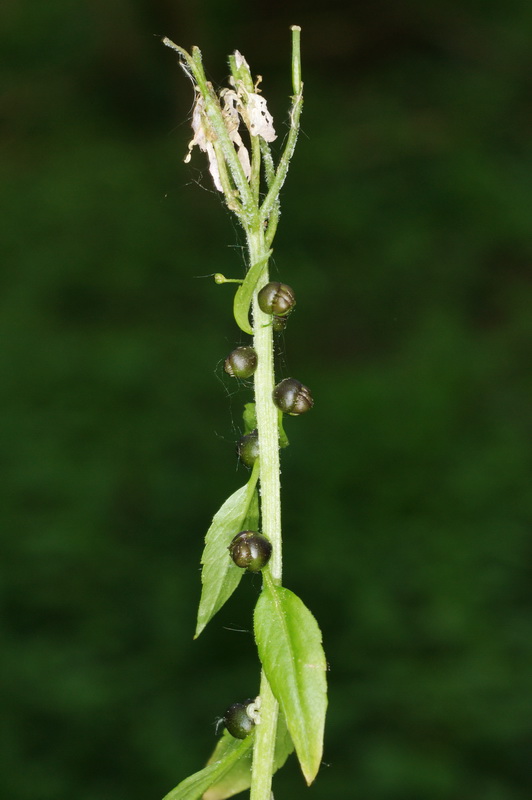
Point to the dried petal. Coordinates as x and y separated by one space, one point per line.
243 157
230 109
260 119
198 126
230 113
203 137
238 105
213 166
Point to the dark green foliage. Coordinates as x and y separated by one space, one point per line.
237 721
408 214
292 397
250 550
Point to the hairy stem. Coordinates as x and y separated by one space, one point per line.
267 416
270 490
264 745
295 113
267 422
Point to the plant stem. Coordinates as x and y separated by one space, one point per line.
267 419
270 490
264 745
276 184
267 415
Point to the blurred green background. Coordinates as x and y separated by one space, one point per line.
407 506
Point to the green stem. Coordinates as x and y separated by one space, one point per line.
270 491
295 114
296 59
267 415
267 423
269 171
264 744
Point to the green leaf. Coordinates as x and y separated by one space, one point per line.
283 743
238 779
244 293
220 576
251 522
250 418
283 438
289 643
193 788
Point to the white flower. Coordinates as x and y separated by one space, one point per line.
230 113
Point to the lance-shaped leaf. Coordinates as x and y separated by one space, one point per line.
238 779
244 293
220 575
196 785
289 643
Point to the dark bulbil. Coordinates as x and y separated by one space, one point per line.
248 448
292 397
236 720
241 362
250 550
276 298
